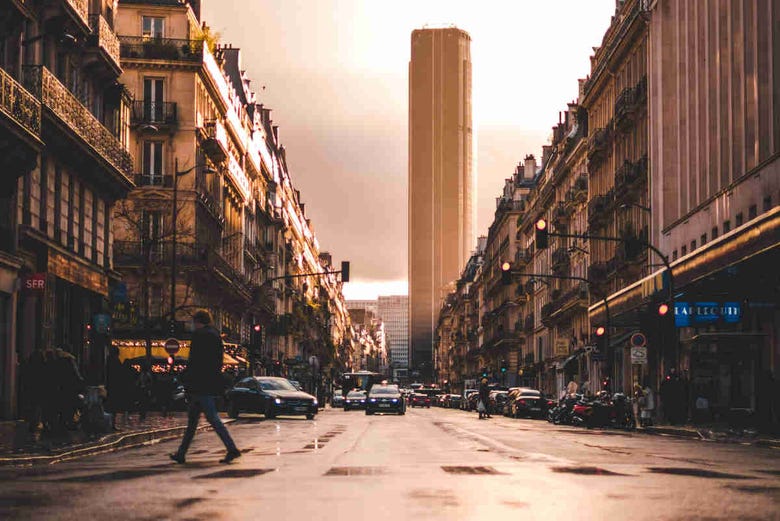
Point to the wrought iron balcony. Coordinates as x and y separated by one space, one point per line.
528 325
560 259
160 180
156 254
628 104
104 38
157 113
19 105
547 310
576 295
166 49
630 176
597 209
523 256
215 142
597 145
76 117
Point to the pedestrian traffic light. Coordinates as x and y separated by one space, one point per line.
344 271
540 234
503 366
484 372
256 337
506 273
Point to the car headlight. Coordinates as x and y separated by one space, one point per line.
348 401
278 401
395 400
314 402
372 400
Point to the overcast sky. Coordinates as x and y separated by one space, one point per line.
335 73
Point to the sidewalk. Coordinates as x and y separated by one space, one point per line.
19 447
718 433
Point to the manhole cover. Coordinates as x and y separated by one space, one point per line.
354 471
470 470
234 473
700 473
588 471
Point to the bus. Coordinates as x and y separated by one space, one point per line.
362 380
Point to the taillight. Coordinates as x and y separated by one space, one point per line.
522 402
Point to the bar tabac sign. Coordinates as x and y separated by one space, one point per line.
688 314
77 273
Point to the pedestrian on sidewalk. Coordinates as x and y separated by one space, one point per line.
484 400
203 381
118 386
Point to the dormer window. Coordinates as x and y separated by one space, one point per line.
153 27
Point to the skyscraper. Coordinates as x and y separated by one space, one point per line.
441 231
394 311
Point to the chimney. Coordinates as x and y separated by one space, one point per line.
529 167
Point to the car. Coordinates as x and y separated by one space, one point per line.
512 394
385 398
420 400
464 405
337 402
497 399
530 403
472 401
355 400
454 401
271 396
440 400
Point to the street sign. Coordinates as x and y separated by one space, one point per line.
561 347
102 323
638 340
172 346
35 282
639 355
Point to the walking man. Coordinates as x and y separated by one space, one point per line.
203 381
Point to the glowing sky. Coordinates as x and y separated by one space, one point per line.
335 73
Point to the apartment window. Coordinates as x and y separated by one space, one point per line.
57 203
153 27
752 211
693 245
683 251
726 226
703 239
739 219
152 163
714 233
767 203
155 304
153 99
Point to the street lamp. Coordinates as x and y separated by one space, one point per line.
176 175
635 205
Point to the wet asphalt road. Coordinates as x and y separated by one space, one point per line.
430 464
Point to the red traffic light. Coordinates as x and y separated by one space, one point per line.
257 328
541 224
600 331
170 360
663 309
506 266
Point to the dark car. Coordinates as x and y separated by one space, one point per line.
385 398
420 400
530 403
270 396
337 402
453 401
355 400
472 401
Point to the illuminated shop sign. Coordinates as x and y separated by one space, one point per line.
687 314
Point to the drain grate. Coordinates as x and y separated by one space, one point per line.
700 473
354 471
471 470
587 471
235 473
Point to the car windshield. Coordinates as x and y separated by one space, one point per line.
384 390
356 394
275 384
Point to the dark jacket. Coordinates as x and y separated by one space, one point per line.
204 368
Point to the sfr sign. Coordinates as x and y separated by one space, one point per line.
35 282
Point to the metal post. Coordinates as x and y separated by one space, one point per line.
172 323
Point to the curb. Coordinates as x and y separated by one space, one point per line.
688 434
127 441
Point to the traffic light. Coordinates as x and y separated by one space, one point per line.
170 360
503 366
256 337
484 372
344 271
601 339
540 234
506 273
663 309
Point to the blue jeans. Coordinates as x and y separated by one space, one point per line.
207 405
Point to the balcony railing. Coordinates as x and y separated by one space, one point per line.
523 256
547 310
143 48
165 181
155 113
577 294
629 102
216 142
597 209
597 144
560 258
67 107
104 37
19 105
80 8
157 253
528 325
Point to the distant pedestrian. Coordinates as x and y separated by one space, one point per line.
483 405
647 407
203 381
118 387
